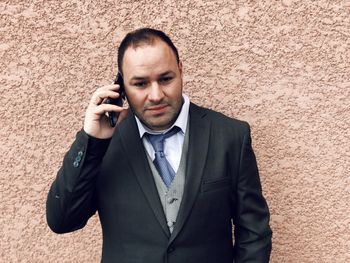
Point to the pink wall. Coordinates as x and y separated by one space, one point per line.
284 66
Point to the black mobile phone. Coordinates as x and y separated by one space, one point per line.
113 116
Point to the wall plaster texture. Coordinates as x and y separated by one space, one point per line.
283 66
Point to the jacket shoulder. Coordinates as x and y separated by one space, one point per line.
220 120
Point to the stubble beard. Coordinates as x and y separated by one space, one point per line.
154 126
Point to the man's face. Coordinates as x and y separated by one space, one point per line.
153 84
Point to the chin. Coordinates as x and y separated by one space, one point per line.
160 124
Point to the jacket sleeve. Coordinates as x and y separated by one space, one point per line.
251 216
71 200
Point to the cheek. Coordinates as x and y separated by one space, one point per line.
175 91
136 99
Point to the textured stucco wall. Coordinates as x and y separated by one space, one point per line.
281 65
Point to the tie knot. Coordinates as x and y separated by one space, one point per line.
157 140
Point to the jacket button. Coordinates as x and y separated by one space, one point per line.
171 249
76 164
80 153
78 158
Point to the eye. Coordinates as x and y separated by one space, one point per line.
140 84
165 79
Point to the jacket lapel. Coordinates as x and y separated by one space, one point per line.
197 152
132 144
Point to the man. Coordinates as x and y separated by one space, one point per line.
176 203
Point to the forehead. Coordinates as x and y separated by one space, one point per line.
149 58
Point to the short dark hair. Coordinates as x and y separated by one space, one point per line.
140 37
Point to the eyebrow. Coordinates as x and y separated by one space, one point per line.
136 78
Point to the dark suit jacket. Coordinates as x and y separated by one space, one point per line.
222 187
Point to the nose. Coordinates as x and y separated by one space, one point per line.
156 93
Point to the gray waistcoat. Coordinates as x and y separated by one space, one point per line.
171 198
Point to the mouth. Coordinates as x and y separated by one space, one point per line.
157 109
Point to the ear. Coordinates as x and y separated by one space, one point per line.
180 68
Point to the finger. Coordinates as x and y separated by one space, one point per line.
100 95
109 87
103 108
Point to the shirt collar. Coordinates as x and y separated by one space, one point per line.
180 122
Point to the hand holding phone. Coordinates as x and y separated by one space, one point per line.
103 102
